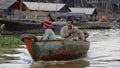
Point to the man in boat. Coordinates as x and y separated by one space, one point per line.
71 32
49 30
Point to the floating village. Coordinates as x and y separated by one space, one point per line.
17 16
26 30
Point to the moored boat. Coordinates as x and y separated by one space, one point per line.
54 49
20 25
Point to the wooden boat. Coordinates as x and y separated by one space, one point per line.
20 25
91 25
48 50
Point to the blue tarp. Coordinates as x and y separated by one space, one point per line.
74 16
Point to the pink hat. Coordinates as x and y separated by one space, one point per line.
47 23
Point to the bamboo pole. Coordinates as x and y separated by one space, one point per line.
21 6
56 10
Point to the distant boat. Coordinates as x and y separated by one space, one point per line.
21 25
49 50
81 21
13 17
35 26
17 20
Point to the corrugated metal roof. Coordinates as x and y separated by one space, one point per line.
44 6
5 4
89 11
70 14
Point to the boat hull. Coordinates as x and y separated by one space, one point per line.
22 25
80 25
66 56
56 49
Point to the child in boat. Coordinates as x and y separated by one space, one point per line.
49 33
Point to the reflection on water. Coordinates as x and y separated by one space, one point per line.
105 49
21 59
80 63
104 52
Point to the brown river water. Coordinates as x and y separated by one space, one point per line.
104 52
